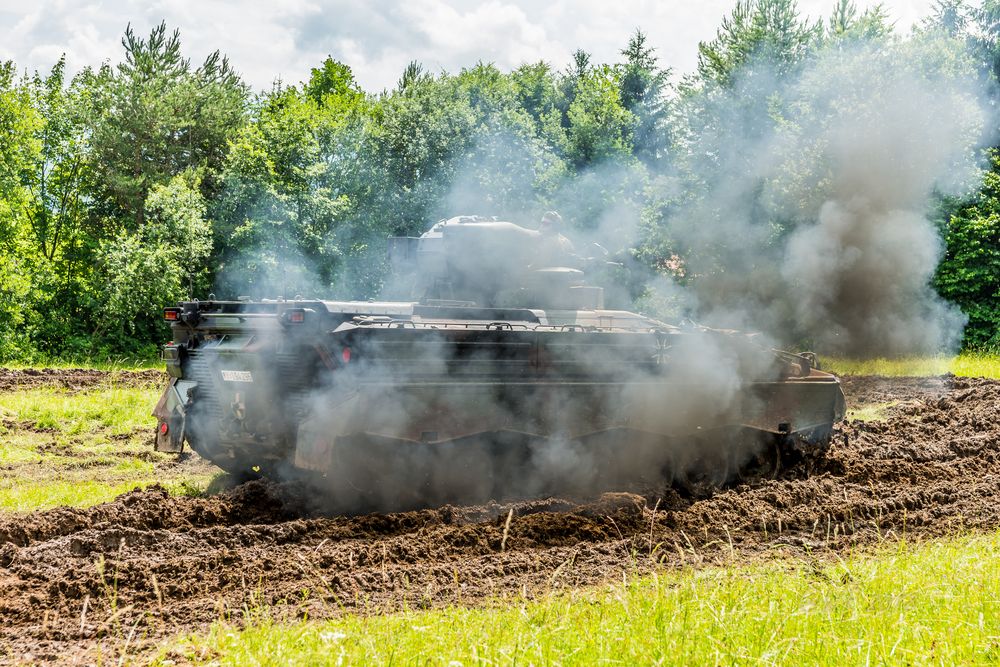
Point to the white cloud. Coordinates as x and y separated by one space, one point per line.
266 40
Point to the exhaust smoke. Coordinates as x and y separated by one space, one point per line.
816 230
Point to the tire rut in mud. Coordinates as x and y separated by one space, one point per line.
149 565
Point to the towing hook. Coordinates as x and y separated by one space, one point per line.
191 315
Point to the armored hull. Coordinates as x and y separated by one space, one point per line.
426 404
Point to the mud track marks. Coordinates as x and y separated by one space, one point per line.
148 565
75 378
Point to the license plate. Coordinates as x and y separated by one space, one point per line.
237 376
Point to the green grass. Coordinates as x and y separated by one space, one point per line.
119 409
931 604
105 364
966 365
54 493
871 412
62 447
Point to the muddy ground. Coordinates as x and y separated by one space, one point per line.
135 572
75 378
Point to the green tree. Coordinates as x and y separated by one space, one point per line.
59 256
20 123
413 73
413 138
846 23
156 117
569 81
508 166
283 199
20 149
155 265
643 90
981 26
953 16
969 273
536 88
332 79
599 125
758 32
56 210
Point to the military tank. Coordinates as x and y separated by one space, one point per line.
503 376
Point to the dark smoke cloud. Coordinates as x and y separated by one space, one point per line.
817 230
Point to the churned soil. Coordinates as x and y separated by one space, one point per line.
76 378
130 574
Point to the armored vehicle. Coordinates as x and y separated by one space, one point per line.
505 376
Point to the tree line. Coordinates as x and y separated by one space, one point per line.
132 185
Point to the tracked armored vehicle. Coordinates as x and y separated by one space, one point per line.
507 377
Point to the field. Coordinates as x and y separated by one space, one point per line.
885 550
73 437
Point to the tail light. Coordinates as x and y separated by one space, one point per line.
294 315
345 354
172 314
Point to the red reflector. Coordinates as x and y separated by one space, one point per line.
170 315
296 317
346 355
164 428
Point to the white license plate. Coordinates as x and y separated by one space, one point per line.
237 376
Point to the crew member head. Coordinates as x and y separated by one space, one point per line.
552 223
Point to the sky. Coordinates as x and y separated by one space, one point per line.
268 40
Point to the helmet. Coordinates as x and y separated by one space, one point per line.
552 220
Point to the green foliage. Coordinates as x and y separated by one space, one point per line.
536 89
950 16
768 31
157 263
56 211
282 201
98 233
600 127
20 123
333 79
969 273
154 117
149 180
644 87
15 303
846 24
